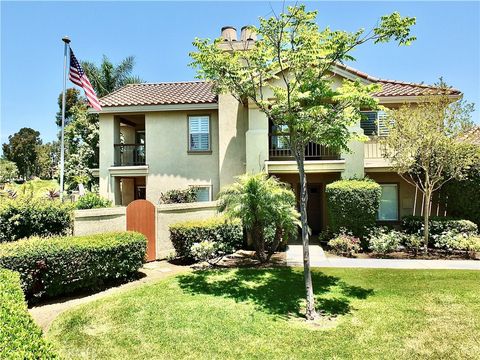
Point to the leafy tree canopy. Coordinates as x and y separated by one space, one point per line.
22 150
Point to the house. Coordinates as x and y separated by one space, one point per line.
156 137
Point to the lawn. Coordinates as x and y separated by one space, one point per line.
255 314
38 187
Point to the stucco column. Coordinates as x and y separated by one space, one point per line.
354 159
109 135
232 124
256 141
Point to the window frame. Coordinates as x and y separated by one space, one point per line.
201 151
380 131
397 185
210 191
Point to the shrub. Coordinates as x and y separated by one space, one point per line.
353 205
228 233
205 250
25 216
383 241
178 196
61 265
92 201
451 241
20 337
345 244
413 242
438 226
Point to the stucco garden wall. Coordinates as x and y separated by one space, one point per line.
96 221
169 214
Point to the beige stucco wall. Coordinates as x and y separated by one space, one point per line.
109 135
97 221
170 165
169 214
256 140
232 127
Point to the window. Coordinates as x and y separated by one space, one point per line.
388 210
373 123
203 193
280 141
199 133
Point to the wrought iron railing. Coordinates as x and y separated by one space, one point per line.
279 150
129 154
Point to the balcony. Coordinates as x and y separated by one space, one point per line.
129 155
374 159
278 150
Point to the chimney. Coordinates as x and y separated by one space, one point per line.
229 33
247 34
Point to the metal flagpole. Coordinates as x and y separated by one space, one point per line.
66 40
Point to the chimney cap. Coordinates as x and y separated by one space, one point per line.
228 27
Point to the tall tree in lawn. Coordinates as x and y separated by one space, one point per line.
295 52
48 157
425 144
22 150
108 77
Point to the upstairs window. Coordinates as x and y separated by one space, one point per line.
374 123
199 133
280 141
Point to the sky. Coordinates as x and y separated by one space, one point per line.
160 35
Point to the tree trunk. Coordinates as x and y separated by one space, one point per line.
259 243
426 217
310 312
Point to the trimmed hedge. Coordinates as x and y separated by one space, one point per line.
353 205
25 217
438 225
217 229
20 337
61 265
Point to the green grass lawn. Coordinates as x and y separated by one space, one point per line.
255 314
38 187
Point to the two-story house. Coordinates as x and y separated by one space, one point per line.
156 137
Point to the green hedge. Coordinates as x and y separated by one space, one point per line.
353 205
26 216
20 337
438 225
61 265
184 234
92 201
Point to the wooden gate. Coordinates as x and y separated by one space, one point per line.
141 218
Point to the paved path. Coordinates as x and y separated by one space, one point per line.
45 314
318 259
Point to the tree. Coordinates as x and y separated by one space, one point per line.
72 97
22 150
425 144
8 171
262 203
294 53
48 157
108 77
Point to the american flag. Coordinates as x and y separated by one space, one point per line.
78 77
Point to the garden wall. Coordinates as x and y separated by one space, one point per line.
168 214
97 221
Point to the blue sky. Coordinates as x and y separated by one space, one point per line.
159 35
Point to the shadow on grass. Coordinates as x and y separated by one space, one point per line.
277 291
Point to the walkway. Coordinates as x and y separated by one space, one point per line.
44 314
318 259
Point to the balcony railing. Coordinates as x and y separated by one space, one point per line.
129 154
279 150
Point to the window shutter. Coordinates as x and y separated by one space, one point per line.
382 124
368 122
199 133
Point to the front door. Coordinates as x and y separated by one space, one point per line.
314 207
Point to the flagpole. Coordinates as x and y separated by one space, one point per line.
66 41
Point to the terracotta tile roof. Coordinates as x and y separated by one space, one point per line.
473 136
192 92
397 88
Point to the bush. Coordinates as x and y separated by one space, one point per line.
217 230
438 225
413 242
345 244
353 205
92 201
62 265
384 241
179 196
205 250
451 241
20 337
25 216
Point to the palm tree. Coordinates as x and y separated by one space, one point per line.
262 202
107 77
